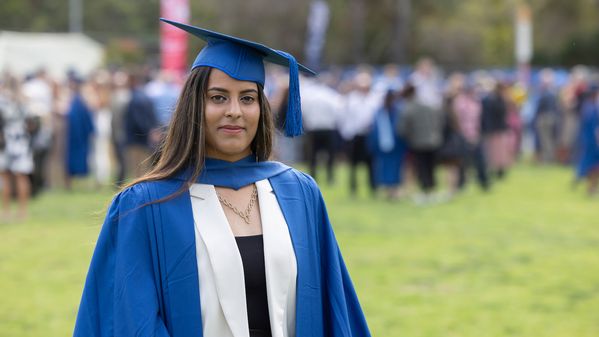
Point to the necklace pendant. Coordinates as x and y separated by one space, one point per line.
243 215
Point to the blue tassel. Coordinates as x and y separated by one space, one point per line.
293 120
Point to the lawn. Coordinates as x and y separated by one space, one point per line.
522 260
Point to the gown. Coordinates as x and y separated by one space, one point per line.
80 129
588 140
143 279
388 149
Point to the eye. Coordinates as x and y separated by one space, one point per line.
248 99
218 99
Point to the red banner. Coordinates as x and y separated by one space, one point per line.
173 41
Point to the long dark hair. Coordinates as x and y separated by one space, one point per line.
184 146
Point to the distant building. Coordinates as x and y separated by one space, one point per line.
24 53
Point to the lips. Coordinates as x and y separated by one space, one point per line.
231 128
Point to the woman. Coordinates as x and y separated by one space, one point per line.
100 89
422 128
452 154
467 109
588 138
494 129
16 157
215 240
80 128
387 147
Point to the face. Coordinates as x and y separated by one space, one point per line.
232 113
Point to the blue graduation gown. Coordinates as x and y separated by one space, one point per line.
80 127
387 164
143 278
589 145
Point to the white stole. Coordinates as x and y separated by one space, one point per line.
220 269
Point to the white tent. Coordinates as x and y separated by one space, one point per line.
24 53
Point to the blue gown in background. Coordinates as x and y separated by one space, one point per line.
143 278
80 127
387 148
588 140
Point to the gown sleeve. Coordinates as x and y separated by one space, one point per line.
343 313
120 297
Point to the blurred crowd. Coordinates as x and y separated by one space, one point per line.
54 131
402 124
406 126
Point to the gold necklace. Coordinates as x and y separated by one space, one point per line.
248 210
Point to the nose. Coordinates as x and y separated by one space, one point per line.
234 110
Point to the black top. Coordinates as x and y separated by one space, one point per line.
251 249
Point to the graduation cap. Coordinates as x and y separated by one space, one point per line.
244 60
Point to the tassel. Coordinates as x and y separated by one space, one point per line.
293 120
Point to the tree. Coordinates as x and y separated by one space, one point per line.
456 33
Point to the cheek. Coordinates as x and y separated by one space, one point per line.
252 120
211 119
211 116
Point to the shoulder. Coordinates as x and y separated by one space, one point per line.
306 179
294 188
146 192
300 179
129 199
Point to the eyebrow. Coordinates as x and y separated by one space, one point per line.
227 91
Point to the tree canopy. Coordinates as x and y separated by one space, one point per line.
457 33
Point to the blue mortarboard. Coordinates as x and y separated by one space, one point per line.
244 60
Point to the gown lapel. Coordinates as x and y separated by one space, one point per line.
225 272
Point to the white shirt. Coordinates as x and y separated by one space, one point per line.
428 91
321 106
360 109
38 97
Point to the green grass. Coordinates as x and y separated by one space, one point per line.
522 260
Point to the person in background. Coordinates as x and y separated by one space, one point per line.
16 157
80 128
56 157
387 147
422 128
163 91
494 129
321 107
119 101
570 118
426 79
588 163
39 101
141 128
101 90
361 104
546 118
467 108
516 96
452 153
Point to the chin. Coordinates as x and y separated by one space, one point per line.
231 151
235 150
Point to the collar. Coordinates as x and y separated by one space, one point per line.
236 174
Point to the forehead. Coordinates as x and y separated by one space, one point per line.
220 79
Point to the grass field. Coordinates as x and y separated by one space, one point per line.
522 260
